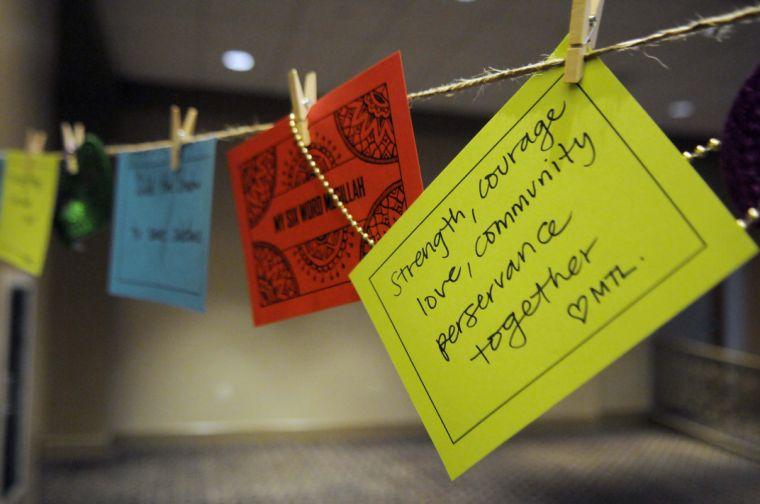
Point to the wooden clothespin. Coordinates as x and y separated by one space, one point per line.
72 137
301 100
180 131
35 141
585 16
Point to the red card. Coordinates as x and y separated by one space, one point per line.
299 248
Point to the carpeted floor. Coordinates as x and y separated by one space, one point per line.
634 465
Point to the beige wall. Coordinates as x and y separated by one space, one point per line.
77 343
26 60
26 66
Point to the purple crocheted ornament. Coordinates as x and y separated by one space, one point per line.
740 147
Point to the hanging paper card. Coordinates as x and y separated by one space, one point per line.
299 247
161 229
2 176
563 234
28 198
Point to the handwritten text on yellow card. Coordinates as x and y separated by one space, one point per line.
567 231
29 189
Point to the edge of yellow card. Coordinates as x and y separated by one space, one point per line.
719 246
26 211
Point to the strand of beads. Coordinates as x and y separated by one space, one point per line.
701 151
318 173
750 217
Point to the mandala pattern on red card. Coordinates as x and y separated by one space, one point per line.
297 169
258 178
274 275
366 126
324 258
384 212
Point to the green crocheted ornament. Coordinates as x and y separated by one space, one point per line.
84 198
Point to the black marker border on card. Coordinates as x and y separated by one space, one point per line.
686 260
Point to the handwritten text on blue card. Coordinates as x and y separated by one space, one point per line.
162 224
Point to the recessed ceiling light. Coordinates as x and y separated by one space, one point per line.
238 61
681 109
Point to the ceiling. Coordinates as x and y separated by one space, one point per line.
180 42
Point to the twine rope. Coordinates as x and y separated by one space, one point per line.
710 25
747 14
225 134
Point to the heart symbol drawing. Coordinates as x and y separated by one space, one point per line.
579 309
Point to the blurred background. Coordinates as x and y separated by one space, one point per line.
119 400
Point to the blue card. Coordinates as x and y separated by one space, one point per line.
161 226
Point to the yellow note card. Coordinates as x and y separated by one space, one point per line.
26 209
566 231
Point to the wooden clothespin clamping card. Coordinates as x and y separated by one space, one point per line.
302 99
180 132
585 17
72 138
